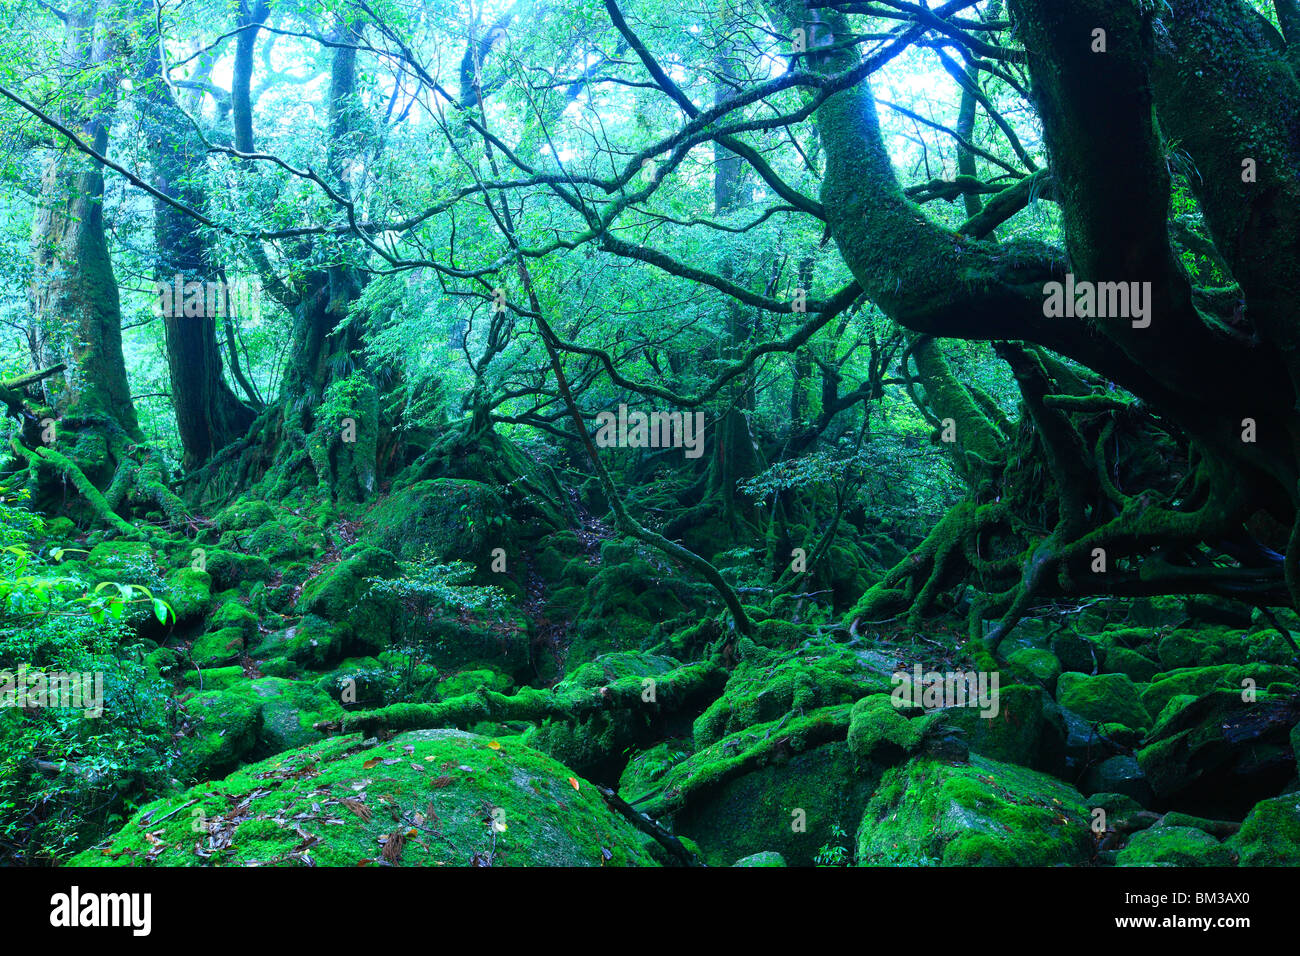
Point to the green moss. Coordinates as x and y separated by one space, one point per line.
985 813
221 729
765 858
189 593
1040 664
1103 698
217 648
880 731
1013 735
450 519
1270 834
1174 846
232 614
443 790
816 675
467 682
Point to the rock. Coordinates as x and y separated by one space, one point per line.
450 519
1270 834
222 730
768 687
1014 735
790 806
1173 846
218 648
1106 697
1077 653
542 814
880 731
288 711
984 813
1119 774
1121 660
229 569
1039 664
1070 743
1220 755
766 858
188 592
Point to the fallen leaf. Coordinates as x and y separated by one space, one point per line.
573 782
495 745
372 762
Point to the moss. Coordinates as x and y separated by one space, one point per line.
117 554
880 731
816 675
788 801
313 642
1270 834
243 514
1104 698
643 773
289 709
765 858
1121 660
985 813
467 682
215 678
231 568
232 614
438 788
1174 846
218 647
449 519
189 593
1014 735
221 729
1041 665
342 595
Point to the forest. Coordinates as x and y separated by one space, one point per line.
620 433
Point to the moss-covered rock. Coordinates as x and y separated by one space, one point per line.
985 813
448 519
188 592
1014 734
816 675
425 798
1174 846
882 732
220 730
343 596
1105 697
1221 754
1270 834
1121 660
766 858
1039 664
218 648
229 569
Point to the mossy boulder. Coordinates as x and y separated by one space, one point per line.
1174 846
1119 774
220 730
1121 660
1077 653
1013 734
447 519
468 681
289 709
766 858
883 732
985 813
121 555
789 806
1103 698
234 615
189 592
243 514
229 569
342 595
217 648
816 675
1221 754
424 798
1270 834
1037 663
